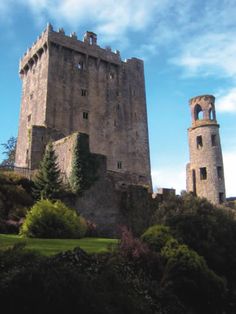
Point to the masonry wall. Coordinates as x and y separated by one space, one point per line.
34 75
92 91
76 86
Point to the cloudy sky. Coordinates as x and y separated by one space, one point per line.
189 49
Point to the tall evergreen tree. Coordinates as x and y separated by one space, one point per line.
47 181
79 163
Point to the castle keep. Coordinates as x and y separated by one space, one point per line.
205 172
76 86
72 88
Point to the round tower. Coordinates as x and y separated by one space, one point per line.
205 172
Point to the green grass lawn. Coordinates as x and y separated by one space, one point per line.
53 246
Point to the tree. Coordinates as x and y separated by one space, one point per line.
47 181
9 151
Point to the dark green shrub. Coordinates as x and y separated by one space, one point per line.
187 276
15 199
157 236
53 220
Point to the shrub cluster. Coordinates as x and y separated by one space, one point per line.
15 198
49 219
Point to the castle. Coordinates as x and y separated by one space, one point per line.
74 87
205 172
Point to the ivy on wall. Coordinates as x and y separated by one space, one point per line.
84 165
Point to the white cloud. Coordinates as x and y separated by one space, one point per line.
209 54
169 178
226 101
109 17
230 172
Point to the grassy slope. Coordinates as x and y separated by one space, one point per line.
53 246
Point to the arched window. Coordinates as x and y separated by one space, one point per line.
198 113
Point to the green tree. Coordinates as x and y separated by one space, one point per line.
47 181
9 152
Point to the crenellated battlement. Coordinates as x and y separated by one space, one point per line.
88 46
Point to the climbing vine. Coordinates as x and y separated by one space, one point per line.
84 166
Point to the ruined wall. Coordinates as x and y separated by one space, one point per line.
205 172
110 207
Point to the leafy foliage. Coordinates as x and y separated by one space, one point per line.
84 166
53 220
47 181
10 152
157 236
207 229
186 275
15 198
69 281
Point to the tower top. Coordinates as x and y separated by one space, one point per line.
203 110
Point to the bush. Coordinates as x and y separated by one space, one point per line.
187 276
15 199
53 220
157 236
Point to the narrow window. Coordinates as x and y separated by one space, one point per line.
29 117
219 172
213 139
119 164
80 65
83 92
31 96
111 75
199 142
221 197
203 173
85 115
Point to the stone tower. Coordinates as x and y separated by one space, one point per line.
205 172
71 85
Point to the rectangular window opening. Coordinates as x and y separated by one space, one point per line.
29 117
219 172
80 65
199 142
221 197
119 164
213 140
83 92
203 173
85 115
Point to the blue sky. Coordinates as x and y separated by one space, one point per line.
188 47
